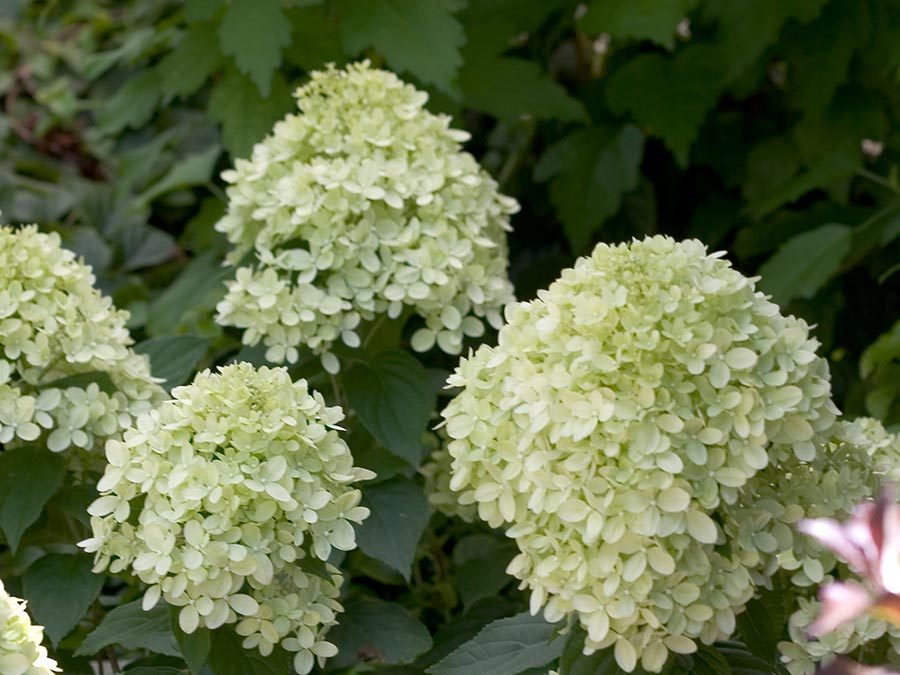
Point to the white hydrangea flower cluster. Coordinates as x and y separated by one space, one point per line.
227 500
21 651
437 473
362 205
54 326
620 409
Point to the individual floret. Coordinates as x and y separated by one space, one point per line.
21 651
66 367
362 205
619 410
228 501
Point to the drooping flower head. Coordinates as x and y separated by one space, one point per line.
21 651
66 366
618 411
361 205
227 500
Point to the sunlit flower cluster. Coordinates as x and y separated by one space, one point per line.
437 473
228 500
620 409
66 368
362 205
21 651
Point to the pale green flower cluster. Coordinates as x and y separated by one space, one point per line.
21 651
228 500
437 472
54 327
619 411
362 205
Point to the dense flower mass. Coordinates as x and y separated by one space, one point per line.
362 205
66 368
21 651
620 409
227 501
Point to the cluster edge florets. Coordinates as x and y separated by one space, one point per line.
21 651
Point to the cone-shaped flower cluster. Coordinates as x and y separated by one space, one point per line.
362 205
227 501
66 368
21 651
620 409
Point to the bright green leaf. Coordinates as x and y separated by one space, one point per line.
29 476
669 96
173 358
591 170
245 115
504 647
654 20
386 632
133 628
399 514
802 265
60 589
254 32
393 396
396 28
508 88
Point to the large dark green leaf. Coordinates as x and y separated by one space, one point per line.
29 477
173 358
59 589
654 20
194 646
254 32
133 628
393 396
228 657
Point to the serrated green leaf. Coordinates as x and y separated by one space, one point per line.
246 115
508 88
802 265
133 628
591 170
504 647
228 657
29 477
399 514
131 105
316 38
254 32
393 396
395 29
190 64
173 358
384 632
669 96
654 20
491 24
60 589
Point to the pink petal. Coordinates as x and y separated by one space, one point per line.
833 535
841 602
889 565
844 666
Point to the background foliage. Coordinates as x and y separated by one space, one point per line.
766 128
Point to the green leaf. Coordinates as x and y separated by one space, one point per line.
201 10
802 265
504 647
246 115
761 625
173 358
29 476
316 38
670 96
146 246
228 657
193 169
193 293
395 28
508 88
742 662
654 20
187 67
394 399
60 589
574 662
132 628
591 170
392 531
132 104
384 632
483 574
254 33
708 660
82 380
194 646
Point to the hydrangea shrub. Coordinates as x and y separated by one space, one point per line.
619 410
362 205
67 373
227 501
21 651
